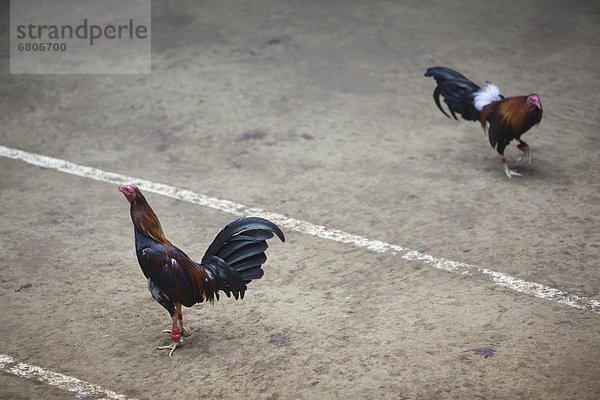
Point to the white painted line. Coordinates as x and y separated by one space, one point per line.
64 382
507 281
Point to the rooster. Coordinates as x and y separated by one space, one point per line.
232 260
504 119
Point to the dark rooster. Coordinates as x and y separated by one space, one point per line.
504 119
232 260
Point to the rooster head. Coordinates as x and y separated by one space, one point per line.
534 101
130 191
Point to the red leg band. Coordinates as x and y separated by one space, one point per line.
175 334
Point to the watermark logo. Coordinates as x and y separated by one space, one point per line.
80 37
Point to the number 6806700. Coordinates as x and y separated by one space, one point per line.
42 46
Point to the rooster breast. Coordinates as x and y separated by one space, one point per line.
508 119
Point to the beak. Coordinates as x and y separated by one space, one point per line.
539 106
120 189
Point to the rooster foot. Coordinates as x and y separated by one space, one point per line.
171 347
510 172
519 161
524 158
184 332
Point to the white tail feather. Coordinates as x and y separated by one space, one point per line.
489 94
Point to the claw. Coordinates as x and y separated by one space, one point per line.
171 347
510 172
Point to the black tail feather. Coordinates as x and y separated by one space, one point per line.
256 274
248 225
228 279
238 252
246 253
239 246
457 90
250 263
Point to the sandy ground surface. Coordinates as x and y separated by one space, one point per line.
320 111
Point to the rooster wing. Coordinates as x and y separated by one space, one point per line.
172 272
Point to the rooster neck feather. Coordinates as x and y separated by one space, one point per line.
512 113
145 220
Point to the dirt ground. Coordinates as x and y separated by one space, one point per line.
319 111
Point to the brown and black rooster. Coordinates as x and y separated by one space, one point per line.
504 119
233 259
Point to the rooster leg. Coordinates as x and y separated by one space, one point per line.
184 332
175 336
525 157
507 171
180 320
